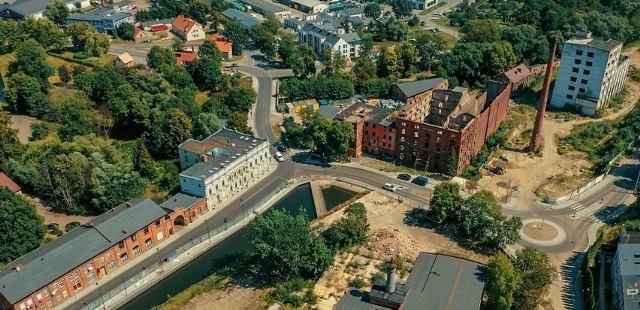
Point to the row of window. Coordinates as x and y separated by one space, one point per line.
579 52
582 81
579 62
577 70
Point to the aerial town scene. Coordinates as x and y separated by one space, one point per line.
320 154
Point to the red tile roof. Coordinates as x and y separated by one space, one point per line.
223 44
518 73
183 57
5 181
184 24
159 27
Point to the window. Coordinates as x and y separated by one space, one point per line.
136 249
589 63
577 61
102 259
158 223
65 294
146 230
575 70
45 292
134 238
579 52
589 54
573 79
77 286
49 303
586 72
108 255
582 90
91 277
121 244
569 96
55 286
572 87
112 264
583 81
124 257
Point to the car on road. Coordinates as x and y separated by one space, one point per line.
281 147
404 177
438 14
420 180
53 226
390 187
279 157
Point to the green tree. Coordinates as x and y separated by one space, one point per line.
9 36
207 70
237 35
304 63
537 274
388 64
529 45
204 125
240 99
125 31
333 62
159 56
75 116
452 163
113 184
376 87
365 69
24 95
348 231
264 36
239 121
372 10
31 59
428 45
57 11
43 31
88 39
407 57
198 10
168 130
286 246
503 281
483 30
403 8
445 201
142 162
21 225
40 131
10 146
65 74
397 30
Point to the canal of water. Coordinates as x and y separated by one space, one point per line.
203 266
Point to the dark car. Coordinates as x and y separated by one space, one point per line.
53 226
404 176
422 181
281 147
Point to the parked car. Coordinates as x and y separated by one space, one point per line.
53 226
404 177
281 147
279 157
504 157
420 180
390 187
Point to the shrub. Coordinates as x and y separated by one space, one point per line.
81 56
358 283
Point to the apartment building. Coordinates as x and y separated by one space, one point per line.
454 121
424 4
106 19
625 273
50 275
221 165
592 71
374 129
318 38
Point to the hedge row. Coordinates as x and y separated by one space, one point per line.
84 62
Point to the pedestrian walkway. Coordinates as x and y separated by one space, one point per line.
581 211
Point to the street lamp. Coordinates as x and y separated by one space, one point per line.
242 204
225 223
208 230
124 285
100 291
160 260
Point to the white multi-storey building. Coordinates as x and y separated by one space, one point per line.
592 71
625 272
221 165
319 38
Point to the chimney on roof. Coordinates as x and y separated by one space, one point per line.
391 278
204 158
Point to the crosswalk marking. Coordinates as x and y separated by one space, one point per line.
581 211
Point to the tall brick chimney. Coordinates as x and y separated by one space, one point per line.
544 97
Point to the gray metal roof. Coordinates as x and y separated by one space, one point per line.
329 111
157 22
269 7
351 37
28 7
411 89
180 200
628 257
243 19
597 43
436 282
54 259
221 149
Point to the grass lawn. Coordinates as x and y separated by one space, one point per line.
444 22
431 9
449 39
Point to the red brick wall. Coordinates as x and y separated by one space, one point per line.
355 147
377 139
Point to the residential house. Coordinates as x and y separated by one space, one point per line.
592 71
124 60
183 59
51 275
625 272
224 45
221 165
157 25
105 19
436 282
5 181
374 128
319 38
187 29
242 19
140 36
268 9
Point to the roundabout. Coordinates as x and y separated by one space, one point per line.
542 232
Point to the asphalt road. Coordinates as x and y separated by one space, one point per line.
448 7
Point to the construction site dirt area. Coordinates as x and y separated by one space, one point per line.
389 238
540 231
232 297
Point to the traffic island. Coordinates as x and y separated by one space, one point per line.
542 232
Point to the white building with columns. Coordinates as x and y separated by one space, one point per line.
592 71
221 165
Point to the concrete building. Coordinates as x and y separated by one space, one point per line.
268 9
455 121
375 130
50 275
436 282
244 20
187 29
221 165
17 9
625 273
307 6
592 71
424 4
105 19
319 38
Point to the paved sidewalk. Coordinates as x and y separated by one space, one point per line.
592 190
431 185
174 263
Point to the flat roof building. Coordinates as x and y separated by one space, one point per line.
105 19
436 282
625 272
246 21
268 9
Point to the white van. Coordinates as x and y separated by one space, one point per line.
279 156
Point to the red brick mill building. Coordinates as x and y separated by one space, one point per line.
435 122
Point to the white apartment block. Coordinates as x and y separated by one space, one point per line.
592 71
424 4
625 273
318 38
221 165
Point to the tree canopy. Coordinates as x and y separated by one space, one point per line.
57 11
22 228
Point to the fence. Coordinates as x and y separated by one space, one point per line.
127 289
